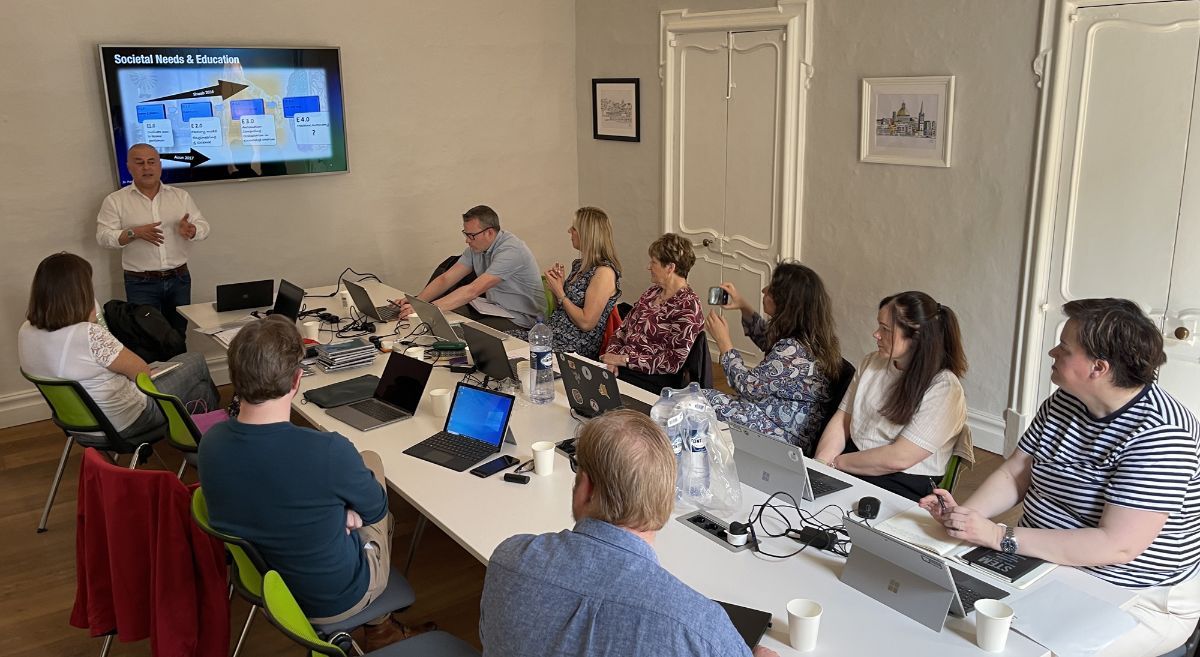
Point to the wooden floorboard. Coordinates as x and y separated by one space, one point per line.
37 578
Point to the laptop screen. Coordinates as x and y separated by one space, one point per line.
403 381
289 300
479 414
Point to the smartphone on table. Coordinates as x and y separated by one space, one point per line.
495 465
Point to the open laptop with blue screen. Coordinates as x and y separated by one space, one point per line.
474 430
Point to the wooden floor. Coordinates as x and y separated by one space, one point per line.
37 578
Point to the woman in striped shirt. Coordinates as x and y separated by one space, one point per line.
1109 474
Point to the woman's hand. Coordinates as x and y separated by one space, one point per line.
736 301
939 504
613 361
554 278
353 520
971 526
718 329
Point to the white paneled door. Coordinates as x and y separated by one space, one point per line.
727 137
1127 212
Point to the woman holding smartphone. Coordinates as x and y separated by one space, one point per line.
781 396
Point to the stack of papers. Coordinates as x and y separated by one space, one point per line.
345 355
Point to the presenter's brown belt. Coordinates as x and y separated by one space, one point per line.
159 275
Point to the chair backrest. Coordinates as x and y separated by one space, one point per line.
698 366
837 390
73 409
447 264
284 613
610 327
181 431
248 565
549 303
951 476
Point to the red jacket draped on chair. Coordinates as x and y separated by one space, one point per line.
143 567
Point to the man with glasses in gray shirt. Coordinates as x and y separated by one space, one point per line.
598 589
506 274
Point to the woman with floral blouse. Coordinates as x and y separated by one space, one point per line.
783 395
653 342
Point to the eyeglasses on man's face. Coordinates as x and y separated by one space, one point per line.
472 236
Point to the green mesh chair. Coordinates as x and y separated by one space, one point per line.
548 294
76 413
247 580
182 433
951 476
285 614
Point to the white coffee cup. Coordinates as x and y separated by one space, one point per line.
543 458
310 330
804 619
441 398
992 620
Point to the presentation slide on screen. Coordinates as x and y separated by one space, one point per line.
224 109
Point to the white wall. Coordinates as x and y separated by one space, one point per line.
869 229
449 104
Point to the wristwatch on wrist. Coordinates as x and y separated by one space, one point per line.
1008 544
129 234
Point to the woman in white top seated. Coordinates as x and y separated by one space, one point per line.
898 423
61 339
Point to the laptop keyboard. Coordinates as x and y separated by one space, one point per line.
379 410
387 313
823 484
466 448
971 589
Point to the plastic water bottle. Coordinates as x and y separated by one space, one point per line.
541 363
697 460
666 413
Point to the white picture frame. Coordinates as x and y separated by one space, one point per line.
908 120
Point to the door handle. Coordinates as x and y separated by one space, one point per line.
1182 333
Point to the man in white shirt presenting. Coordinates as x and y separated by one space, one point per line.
153 224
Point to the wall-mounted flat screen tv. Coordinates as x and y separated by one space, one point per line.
226 114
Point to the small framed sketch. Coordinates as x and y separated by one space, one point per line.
907 120
616 109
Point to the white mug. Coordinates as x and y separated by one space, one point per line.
310 329
543 458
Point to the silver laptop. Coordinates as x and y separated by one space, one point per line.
364 303
395 399
432 315
772 466
913 581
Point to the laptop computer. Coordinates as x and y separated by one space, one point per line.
591 389
362 301
771 466
396 397
913 581
432 315
487 351
474 430
239 296
289 300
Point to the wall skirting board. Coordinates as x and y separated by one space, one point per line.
987 431
27 406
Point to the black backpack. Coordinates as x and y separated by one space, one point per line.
143 330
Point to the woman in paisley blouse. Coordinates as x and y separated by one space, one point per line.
62 340
652 344
586 296
783 395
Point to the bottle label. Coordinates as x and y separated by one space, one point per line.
541 360
696 442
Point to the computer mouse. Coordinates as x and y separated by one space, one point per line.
868 507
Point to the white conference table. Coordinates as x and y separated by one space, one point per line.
480 513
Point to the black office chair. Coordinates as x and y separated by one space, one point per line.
445 266
697 368
837 390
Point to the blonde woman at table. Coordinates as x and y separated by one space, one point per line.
586 296
1108 474
904 412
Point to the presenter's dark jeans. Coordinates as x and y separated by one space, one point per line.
912 486
166 294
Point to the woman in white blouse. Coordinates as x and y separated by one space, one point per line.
900 420
62 339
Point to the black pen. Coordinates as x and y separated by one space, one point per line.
941 502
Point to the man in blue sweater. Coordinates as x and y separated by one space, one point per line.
313 506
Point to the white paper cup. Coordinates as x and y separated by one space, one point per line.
804 619
310 329
992 620
441 398
543 458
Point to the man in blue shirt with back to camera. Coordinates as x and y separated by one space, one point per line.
506 274
598 589
316 509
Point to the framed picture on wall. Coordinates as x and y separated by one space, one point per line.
907 120
616 109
